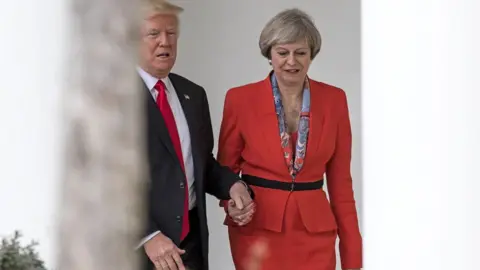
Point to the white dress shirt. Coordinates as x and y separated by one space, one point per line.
183 132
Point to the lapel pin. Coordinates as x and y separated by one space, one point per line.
186 96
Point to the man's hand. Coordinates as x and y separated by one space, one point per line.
241 206
163 253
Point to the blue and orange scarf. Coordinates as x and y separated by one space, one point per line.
294 164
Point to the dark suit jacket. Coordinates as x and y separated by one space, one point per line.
166 192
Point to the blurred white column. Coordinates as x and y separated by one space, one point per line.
421 120
32 35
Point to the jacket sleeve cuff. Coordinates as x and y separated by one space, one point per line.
249 189
351 260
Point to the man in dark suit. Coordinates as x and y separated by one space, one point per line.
180 144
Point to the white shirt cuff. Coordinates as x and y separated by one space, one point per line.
146 239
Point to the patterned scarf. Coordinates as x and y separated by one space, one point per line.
294 165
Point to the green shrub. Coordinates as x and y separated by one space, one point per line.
15 256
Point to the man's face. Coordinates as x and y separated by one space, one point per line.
158 47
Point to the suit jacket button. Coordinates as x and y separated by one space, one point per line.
182 185
179 218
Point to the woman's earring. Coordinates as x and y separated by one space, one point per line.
270 62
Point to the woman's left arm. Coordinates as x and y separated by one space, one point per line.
339 181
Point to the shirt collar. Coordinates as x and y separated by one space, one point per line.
151 81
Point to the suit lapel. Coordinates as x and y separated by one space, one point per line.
268 122
188 107
317 119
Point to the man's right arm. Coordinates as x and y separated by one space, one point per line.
162 252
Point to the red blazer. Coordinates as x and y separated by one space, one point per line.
250 142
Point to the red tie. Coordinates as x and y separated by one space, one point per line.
167 113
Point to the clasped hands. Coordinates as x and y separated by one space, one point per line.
241 206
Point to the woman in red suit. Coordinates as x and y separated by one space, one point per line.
283 134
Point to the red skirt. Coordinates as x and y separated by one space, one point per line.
293 248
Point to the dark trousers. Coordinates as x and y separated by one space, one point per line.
192 258
192 244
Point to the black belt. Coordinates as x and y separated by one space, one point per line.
289 186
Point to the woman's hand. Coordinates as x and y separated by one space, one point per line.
241 216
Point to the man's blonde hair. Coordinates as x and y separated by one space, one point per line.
150 7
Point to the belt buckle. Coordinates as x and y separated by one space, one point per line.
292 186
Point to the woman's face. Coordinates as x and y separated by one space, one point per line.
290 62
